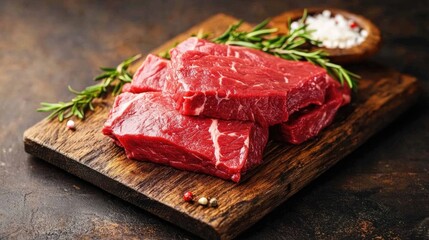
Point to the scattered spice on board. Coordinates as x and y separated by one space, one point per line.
203 201
188 197
213 202
71 125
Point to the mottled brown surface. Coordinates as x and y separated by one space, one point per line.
380 191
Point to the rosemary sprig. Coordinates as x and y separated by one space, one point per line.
111 78
292 46
165 54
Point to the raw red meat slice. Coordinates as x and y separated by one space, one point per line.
150 76
237 83
126 87
303 124
308 122
149 128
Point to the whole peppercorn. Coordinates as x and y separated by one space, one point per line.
203 201
71 125
353 25
213 202
188 196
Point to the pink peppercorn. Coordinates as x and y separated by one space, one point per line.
188 197
71 125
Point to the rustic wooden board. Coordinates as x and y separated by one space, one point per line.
88 154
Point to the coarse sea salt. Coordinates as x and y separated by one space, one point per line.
333 31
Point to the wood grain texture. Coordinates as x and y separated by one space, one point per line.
348 55
383 94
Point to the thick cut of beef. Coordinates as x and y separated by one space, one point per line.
308 122
150 76
148 127
237 83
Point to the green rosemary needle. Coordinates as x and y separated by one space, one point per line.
112 79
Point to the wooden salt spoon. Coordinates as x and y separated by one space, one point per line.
357 53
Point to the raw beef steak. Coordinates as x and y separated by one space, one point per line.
237 83
150 76
148 127
308 122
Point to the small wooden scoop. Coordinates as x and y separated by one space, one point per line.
367 48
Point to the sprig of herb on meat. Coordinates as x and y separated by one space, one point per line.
113 79
292 46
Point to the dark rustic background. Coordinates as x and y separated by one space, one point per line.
381 191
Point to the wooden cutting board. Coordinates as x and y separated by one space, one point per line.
383 94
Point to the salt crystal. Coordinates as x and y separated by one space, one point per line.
326 13
342 24
339 18
294 25
350 43
327 44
